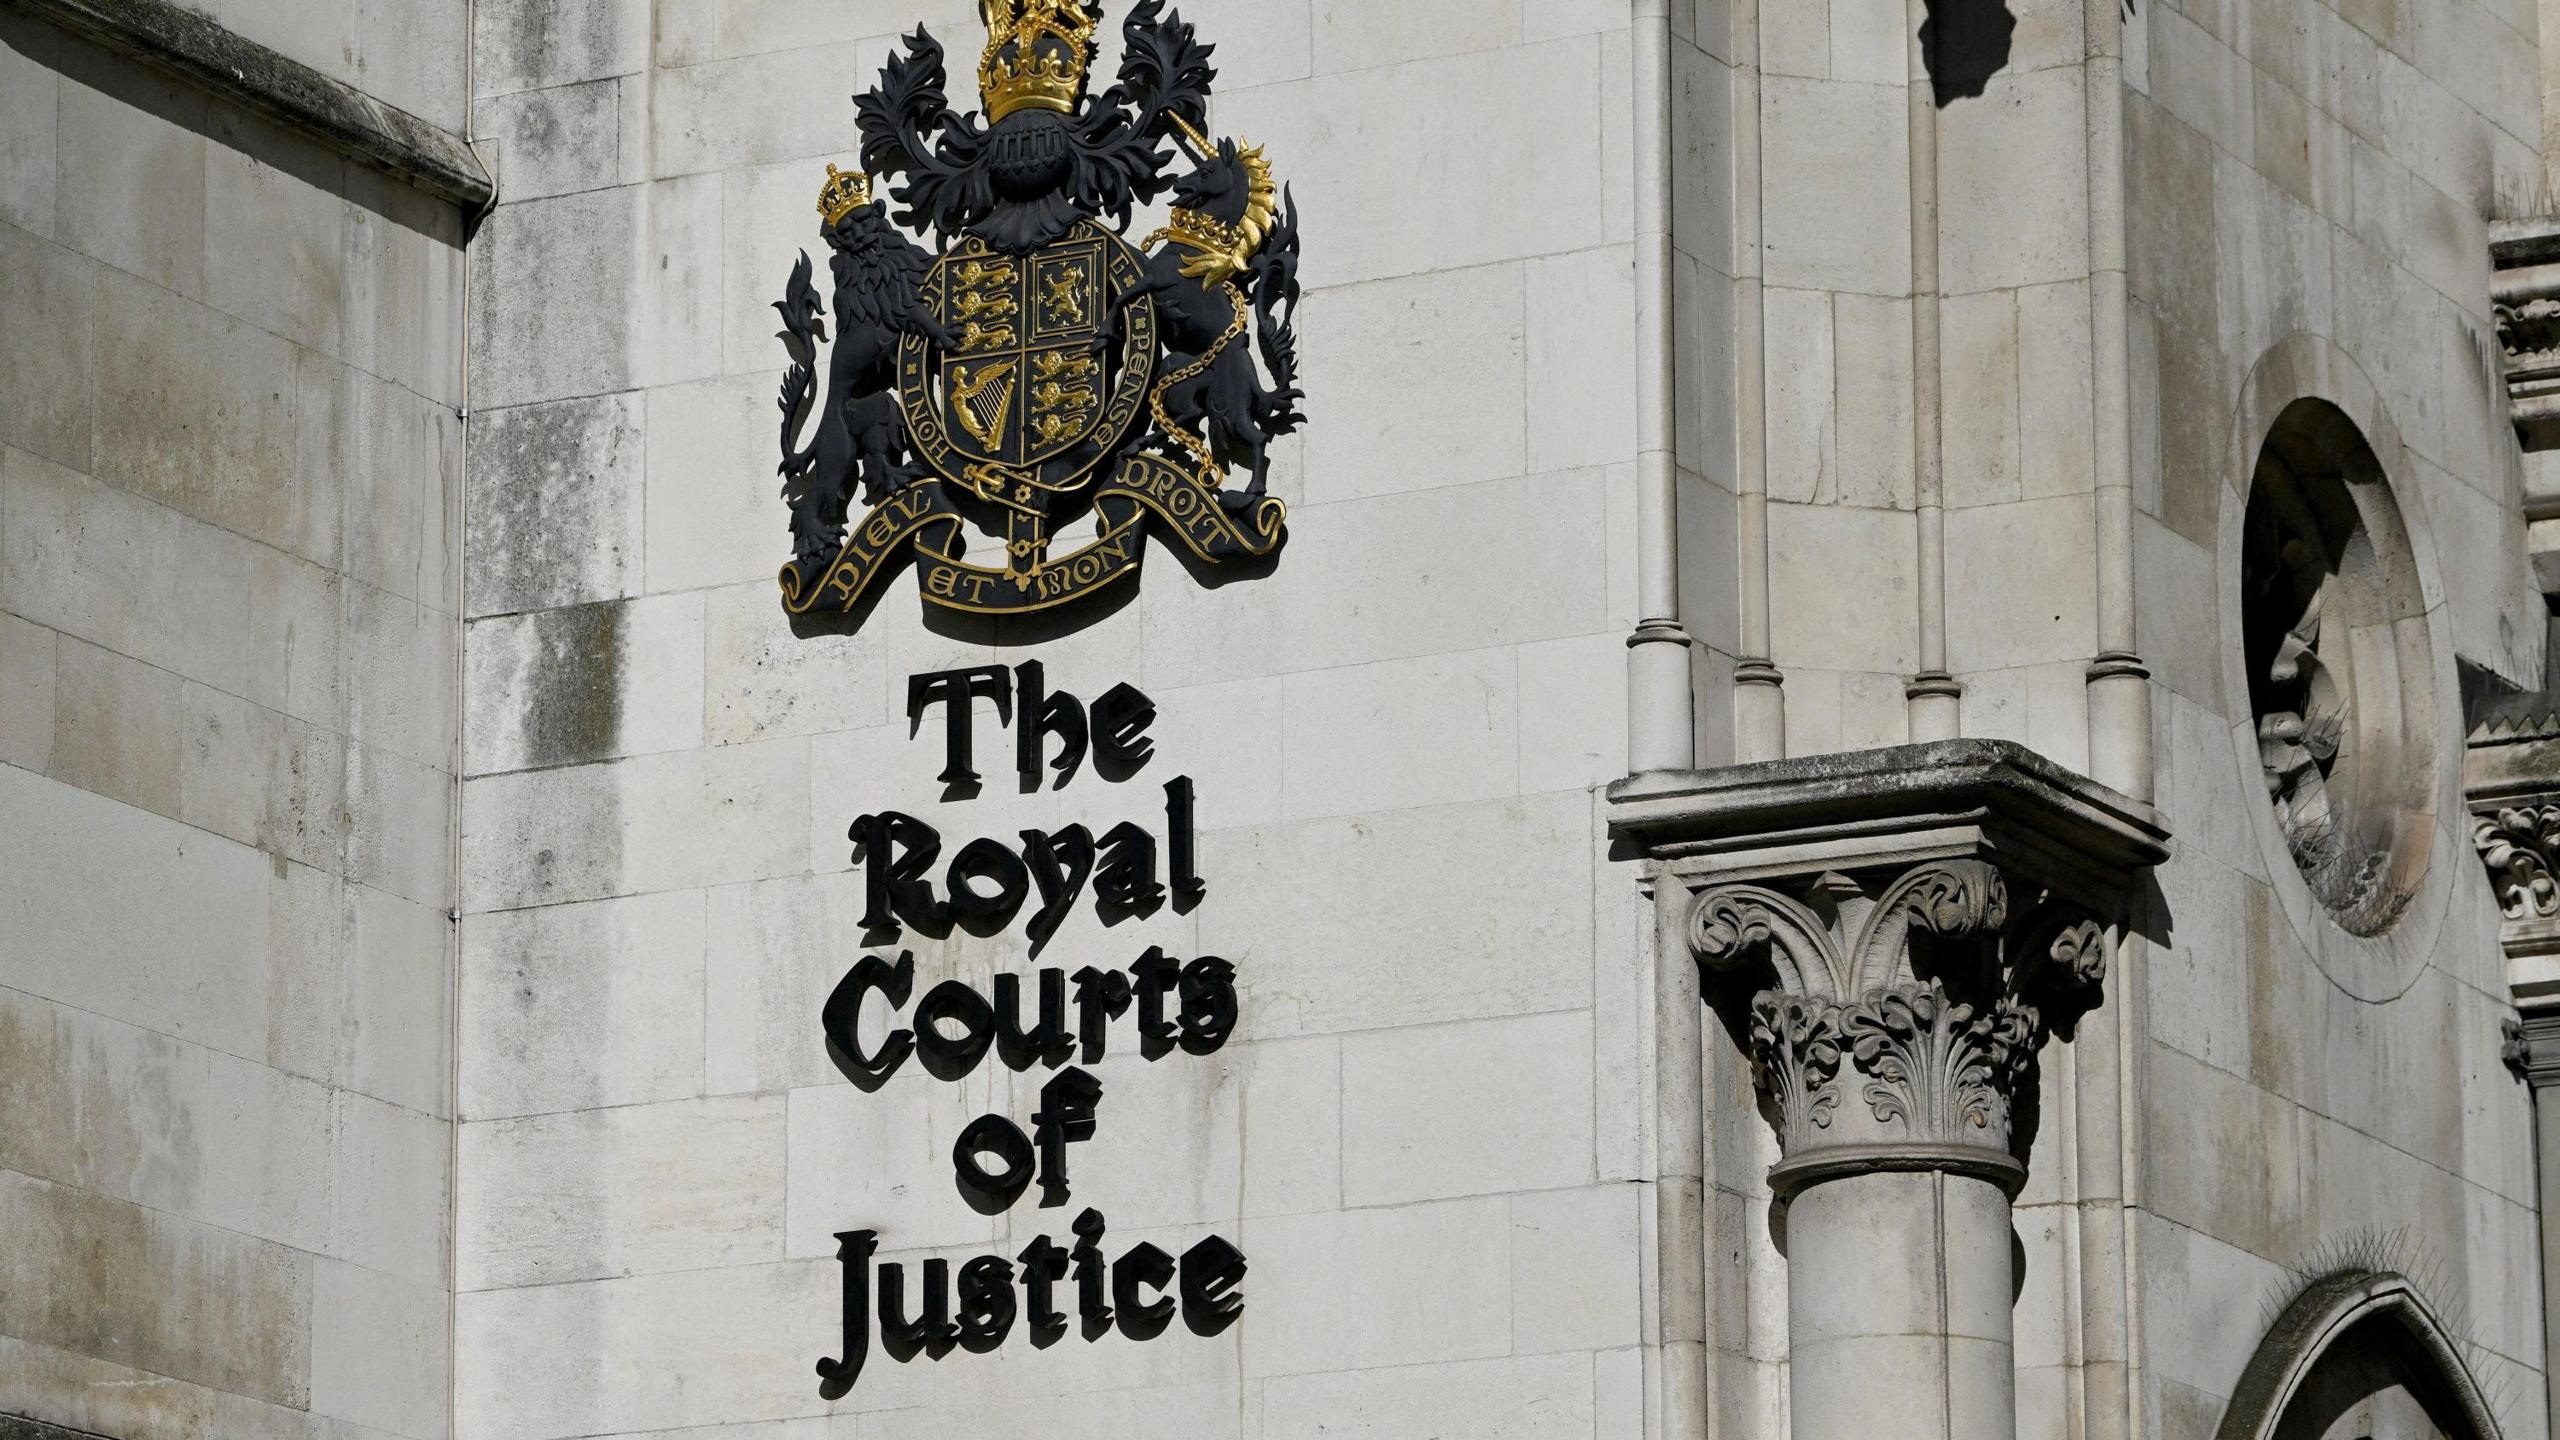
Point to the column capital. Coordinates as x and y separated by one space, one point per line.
1893 935
2511 785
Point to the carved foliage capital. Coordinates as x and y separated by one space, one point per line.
1925 1004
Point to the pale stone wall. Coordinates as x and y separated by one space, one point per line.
230 375
2310 188
1427 1138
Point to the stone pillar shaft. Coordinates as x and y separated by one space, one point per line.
1898 1286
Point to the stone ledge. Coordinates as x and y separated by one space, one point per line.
202 52
19 1427
2525 293
1905 802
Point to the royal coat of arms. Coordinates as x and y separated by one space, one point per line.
1040 369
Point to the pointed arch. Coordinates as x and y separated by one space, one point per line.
2333 1319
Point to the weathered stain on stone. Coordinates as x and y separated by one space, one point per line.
103 1278
554 505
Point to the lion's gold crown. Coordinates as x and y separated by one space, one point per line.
845 192
1037 54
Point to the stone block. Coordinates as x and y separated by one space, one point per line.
590 1195
400 665
585 683
378 1356
118 726
163 1123
1388 216
1870 42
27 703
198 411
2171 236
399 826
1573 713
1871 363
1484 580
1530 1398
405 271
1979 368
760 1019
1474 1109
2274 263
393 1172
129 1285
1352 36
2202 81
130 178
1402 734
1844 585
1197 1412
758 108
577 1007
1502 927
2019 590
882 1161
678 331
657 822
306 927
2055 406
62 846
275 245
30 98
713 513
1425 378
258 777
1839 224
1582 382
531 44
47 297
1803 455
1344 1299
554 141
2013 178
2207 1303
765 683
404 469
399 982
1261 43
577 252
555 504
2225 1158
1576 1280
720 1347
1797 42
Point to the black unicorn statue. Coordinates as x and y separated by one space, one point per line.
1225 265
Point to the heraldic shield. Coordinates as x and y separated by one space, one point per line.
1040 368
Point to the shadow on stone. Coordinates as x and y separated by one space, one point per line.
1965 43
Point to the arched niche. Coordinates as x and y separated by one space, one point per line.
2359 1356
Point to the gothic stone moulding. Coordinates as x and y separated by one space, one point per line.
2511 781
2526 293
1893 934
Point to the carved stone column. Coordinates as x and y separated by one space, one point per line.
1893 936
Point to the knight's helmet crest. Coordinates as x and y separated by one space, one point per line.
1038 54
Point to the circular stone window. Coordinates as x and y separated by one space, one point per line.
2341 672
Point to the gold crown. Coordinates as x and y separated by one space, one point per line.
1037 55
845 192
